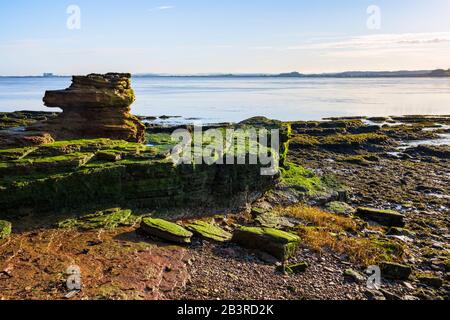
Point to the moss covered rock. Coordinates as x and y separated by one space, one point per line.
209 231
166 230
430 280
302 180
16 119
339 140
340 208
354 275
272 220
5 229
279 244
67 175
386 218
111 156
395 271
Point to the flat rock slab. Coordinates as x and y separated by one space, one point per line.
386 218
166 230
279 244
106 219
209 231
395 271
117 264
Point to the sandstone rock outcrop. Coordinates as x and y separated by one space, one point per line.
95 106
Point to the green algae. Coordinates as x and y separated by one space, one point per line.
166 230
391 251
65 174
351 139
274 234
341 208
5 229
364 160
301 179
167 226
109 155
16 154
340 141
106 219
209 231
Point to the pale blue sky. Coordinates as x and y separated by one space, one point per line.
229 36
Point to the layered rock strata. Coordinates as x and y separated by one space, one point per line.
94 106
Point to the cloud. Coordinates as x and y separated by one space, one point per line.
383 46
379 41
163 8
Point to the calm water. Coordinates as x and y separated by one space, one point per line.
225 99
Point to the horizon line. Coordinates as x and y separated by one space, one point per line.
230 74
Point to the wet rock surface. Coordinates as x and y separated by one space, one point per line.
114 264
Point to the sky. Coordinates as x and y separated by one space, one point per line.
222 36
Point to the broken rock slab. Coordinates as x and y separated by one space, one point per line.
386 218
166 230
395 271
280 244
209 231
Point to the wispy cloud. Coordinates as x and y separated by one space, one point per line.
400 41
163 8
379 41
386 46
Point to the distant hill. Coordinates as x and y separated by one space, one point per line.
373 74
440 73
295 74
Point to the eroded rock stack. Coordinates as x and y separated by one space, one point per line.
95 106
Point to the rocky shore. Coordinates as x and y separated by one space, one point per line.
350 194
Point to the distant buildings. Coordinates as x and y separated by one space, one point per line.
48 75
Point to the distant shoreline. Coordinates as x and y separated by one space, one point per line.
439 73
